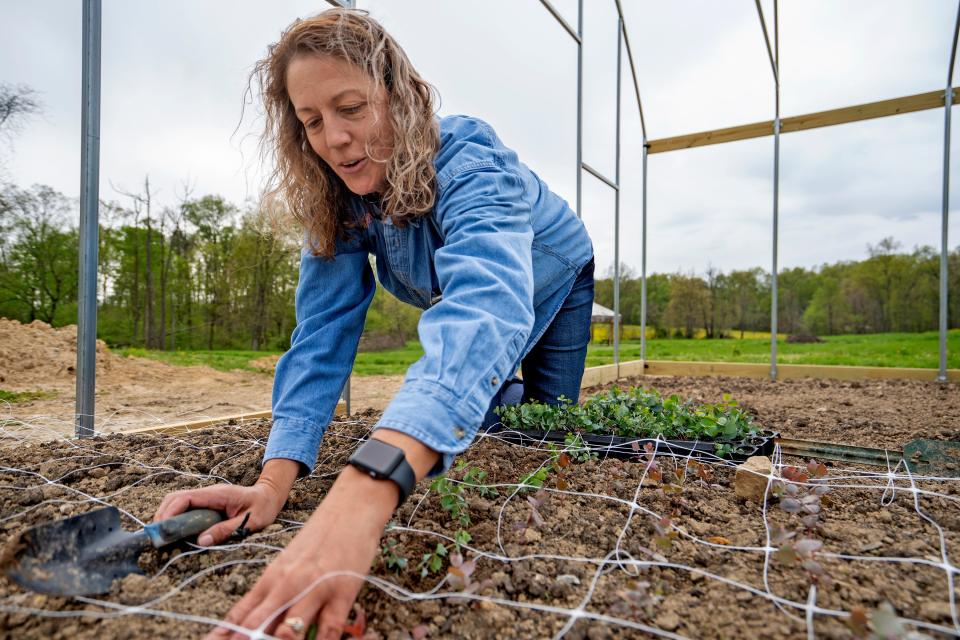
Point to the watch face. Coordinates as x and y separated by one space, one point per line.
378 457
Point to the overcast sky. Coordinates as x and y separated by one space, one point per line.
174 75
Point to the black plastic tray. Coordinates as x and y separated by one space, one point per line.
619 447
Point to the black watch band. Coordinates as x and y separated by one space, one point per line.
384 461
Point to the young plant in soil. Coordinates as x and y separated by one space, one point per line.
802 492
453 500
391 555
637 602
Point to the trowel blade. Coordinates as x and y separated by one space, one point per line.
80 555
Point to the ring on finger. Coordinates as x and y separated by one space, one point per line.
296 623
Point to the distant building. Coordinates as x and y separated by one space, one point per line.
603 316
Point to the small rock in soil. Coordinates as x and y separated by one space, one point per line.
667 620
935 610
750 482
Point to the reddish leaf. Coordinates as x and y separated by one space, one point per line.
786 554
359 625
791 505
858 622
717 540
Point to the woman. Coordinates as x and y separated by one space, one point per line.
459 227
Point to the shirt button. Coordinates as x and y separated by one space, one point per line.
459 432
494 381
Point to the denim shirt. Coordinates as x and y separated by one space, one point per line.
490 265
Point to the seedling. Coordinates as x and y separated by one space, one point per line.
577 449
535 479
665 533
452 499
461 538
637 413
474 478
636 603
884 622
534 518
703 472
803 491
391 557
803 552
432 562
458 575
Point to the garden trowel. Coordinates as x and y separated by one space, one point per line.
84 554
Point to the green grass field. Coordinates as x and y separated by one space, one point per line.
871 350
24 396
868 350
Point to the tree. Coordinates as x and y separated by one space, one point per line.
38 254
17 104
744 295
688 299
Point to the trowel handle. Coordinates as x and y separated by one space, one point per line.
185 525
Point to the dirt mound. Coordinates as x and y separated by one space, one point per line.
130 392
266 364
36 353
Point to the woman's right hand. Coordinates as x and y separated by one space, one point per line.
262 501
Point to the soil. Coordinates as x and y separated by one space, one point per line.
132 392
595 551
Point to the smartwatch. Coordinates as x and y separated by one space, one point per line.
384 461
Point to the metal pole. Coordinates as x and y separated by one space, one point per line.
633 68
616 212
346 4
560 19
774 297
643 259
945 217
579 104
89 224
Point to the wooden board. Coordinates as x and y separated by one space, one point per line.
868 111
178 428
784 371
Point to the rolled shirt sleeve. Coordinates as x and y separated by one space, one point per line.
472 340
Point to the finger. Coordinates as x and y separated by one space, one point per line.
216 497
334 616
220 531
240 612
305 611
173 504
270 609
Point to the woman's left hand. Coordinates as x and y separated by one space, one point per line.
340 538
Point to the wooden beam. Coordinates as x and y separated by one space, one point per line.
179 428
784 371
869 111
593 376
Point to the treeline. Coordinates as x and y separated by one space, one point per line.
199 274
891 290
203 273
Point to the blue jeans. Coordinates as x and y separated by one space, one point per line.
554 367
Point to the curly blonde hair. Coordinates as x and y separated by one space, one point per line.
301 183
